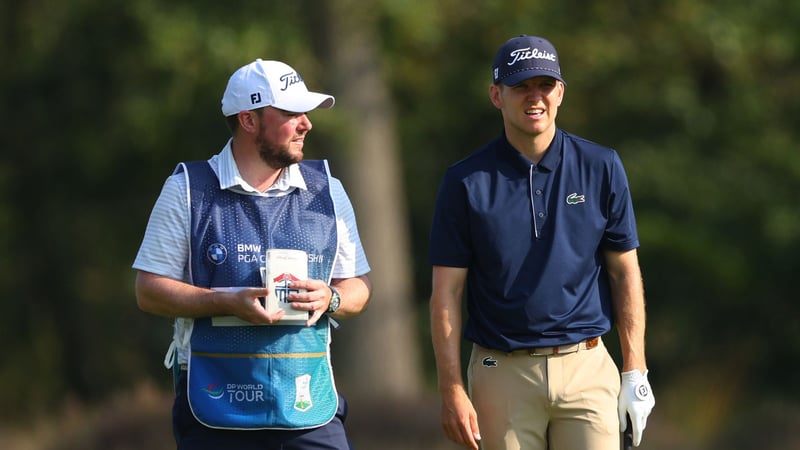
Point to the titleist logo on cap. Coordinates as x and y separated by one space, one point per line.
290 79
525 57
526 53
270 83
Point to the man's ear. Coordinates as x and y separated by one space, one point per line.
248 121
494 96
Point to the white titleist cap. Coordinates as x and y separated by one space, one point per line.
270 83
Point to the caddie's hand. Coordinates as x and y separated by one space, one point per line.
315 299
636 400
248 306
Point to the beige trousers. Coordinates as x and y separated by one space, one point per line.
545 402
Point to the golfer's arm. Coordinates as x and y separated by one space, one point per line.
627 293
445 309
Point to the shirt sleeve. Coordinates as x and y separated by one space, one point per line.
351 261
165 246
449 243
621 233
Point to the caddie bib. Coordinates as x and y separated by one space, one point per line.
259 377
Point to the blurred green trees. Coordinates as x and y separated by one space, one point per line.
100 99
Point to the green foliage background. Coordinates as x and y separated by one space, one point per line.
99 99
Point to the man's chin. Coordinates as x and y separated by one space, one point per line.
280 158
295 156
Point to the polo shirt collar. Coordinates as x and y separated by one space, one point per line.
552 156
230 178
549 162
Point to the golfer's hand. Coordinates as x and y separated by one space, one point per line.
459 419
636 400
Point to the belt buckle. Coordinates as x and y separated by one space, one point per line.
543 351
587 344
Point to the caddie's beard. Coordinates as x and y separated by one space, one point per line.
276 156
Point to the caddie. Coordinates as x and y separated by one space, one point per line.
247 378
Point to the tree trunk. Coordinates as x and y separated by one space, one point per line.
377 354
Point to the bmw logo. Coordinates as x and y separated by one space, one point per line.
217 253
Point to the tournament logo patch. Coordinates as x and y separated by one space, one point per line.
217 253
302 398
214 391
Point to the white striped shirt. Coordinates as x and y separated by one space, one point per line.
165 247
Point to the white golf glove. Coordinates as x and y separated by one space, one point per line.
636 400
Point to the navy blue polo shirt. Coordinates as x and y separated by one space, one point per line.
532 237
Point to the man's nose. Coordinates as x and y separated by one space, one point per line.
304 122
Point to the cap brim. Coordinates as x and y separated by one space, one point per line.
305 103
519 77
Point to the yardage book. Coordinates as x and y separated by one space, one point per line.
282 266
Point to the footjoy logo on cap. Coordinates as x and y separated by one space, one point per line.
270 83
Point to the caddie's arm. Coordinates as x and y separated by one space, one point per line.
164 296
354 294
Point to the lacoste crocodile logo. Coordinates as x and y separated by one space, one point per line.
574 199
489 362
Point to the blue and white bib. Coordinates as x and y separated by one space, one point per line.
259 377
